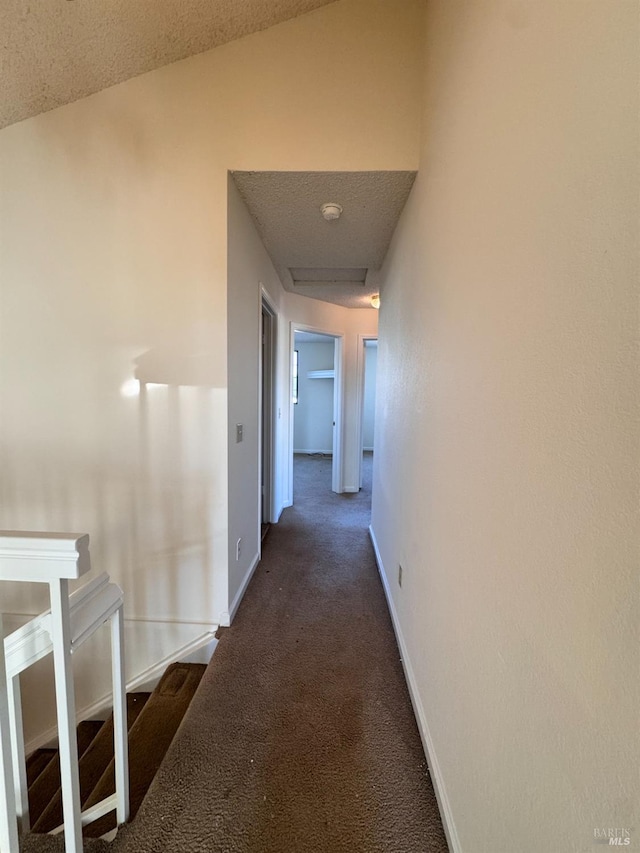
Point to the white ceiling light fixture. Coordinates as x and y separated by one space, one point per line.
375 301
331 210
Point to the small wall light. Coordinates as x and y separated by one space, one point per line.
375 301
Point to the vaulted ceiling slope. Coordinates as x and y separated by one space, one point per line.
58 51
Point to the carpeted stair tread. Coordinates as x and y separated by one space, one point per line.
149 740
47 783
37 762
86 731
94 757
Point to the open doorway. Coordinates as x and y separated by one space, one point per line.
316 359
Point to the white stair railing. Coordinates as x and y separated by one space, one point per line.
8 824
57 558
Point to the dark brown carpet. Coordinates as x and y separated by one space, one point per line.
301 737
46 786
94 758
38 762
149 738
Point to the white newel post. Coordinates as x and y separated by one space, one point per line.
120 719
55 559
8 821
66 708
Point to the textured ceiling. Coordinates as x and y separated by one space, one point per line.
335 261
53 52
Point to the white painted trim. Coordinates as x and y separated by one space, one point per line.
360 375
337 474
324 452
285 505
267 304
337 465
199 650
148 677
211 626
321 374
8 823
243 588
418 709
43 557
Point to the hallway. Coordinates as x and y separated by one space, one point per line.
301 738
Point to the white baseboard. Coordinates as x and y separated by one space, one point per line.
240 593
418 709
192 652
199 651
283 506
316 450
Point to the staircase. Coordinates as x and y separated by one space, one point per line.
98 778
152 721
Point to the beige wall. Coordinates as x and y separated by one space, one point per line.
506 478
113 247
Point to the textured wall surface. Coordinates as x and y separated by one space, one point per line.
506 475
57 52
113 260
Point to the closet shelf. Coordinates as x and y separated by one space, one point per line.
321 374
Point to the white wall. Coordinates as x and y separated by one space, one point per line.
313 414
113 246
506 478
369 396
249 268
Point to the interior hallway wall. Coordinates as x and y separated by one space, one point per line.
113 261
506 477
313 413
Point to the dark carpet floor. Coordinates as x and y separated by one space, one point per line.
301 737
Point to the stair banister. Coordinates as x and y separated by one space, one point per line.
57 558
8 822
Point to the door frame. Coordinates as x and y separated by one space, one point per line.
360 373
266 409
338 401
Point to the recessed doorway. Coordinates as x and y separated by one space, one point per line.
316 372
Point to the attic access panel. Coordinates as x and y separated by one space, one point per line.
314 276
